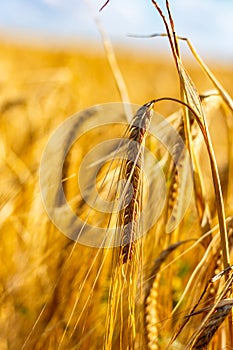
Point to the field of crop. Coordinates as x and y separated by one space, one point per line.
154 292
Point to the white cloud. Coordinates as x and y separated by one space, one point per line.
55 3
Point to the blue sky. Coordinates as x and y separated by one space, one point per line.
208 23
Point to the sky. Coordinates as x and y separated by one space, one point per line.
207 23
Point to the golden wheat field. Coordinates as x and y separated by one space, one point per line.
165 289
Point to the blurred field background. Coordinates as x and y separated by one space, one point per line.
40 88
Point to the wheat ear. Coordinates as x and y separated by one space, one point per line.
124 281
132 173
151 317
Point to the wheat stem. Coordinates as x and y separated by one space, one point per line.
216 179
